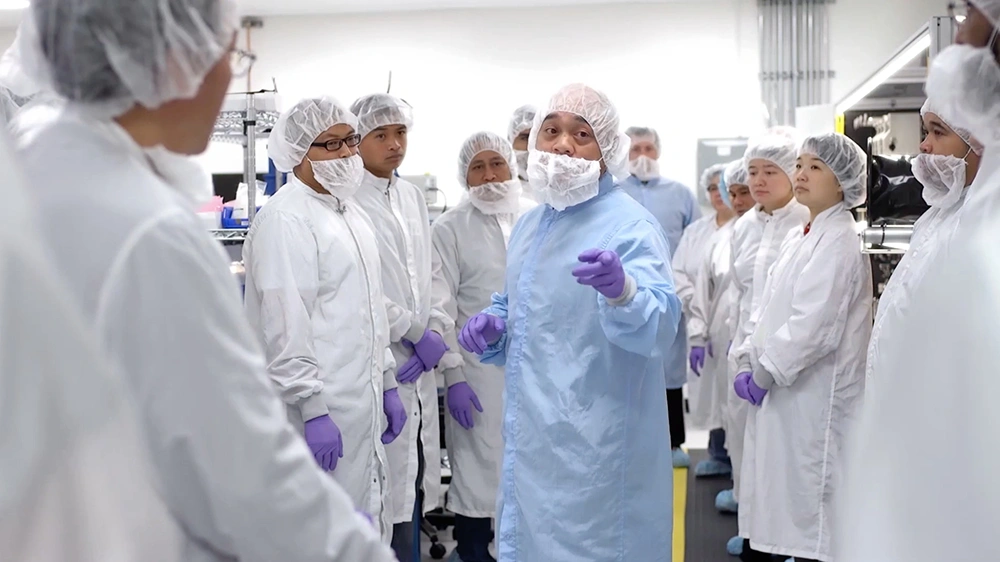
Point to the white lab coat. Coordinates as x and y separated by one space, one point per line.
757 238
931 232
398 212
157 289
709 327
470 259
686 264
807 345
936 396
314 298
76 481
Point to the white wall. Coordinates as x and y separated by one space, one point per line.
865 33
688 69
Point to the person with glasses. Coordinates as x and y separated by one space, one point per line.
403 230
314 298
921 486
155 286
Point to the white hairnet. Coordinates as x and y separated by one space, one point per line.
709 173
481 142
381 110
521 121
847 161
300 126
594 107
990 9
778 145
964 134
736 174
644 133
109 55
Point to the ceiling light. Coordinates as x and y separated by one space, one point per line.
903 58
13 4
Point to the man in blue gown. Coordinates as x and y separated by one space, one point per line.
588 308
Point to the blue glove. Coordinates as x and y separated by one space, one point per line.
603 271
480 332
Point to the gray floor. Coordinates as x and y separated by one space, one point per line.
707 529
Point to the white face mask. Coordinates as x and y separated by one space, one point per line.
942 176
965 82
496 197
563 181
183 173
341 177
522 162
644 168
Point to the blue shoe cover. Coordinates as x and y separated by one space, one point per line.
735 546
712 467
726 502
681 459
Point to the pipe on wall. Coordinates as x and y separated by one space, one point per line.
794 56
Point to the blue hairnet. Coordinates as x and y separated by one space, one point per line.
381 110
481 142
847 161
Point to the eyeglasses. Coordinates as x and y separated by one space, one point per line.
958 11
240 62
335 145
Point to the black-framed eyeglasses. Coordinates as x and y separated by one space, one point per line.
337 144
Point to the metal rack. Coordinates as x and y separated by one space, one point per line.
245 118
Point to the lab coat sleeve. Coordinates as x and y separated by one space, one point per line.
649 320
685 269
236 474
446 277
496 354
285 270
704 288
820 299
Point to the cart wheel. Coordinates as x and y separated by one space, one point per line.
438 551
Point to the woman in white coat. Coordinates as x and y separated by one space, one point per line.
802 368
686 263
470 258
757 237
947 164
314 298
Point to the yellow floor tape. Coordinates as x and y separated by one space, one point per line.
680 507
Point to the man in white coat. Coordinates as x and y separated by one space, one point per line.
470 258
757 237
517 134
155 286
398 211
687 264
314 298
939 384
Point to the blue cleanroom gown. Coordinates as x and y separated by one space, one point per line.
587 469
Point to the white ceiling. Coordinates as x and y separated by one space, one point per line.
288 7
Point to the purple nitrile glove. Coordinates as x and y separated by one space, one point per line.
603 271
461 400
480 332
395 414
323 438
697 359
412 369
748 390
430 349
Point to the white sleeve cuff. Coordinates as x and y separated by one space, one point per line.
627 295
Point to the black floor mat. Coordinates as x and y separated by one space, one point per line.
707 530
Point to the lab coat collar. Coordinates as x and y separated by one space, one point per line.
326 197
381 184
651 183
779 214
825 217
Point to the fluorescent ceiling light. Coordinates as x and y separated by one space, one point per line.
912 51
